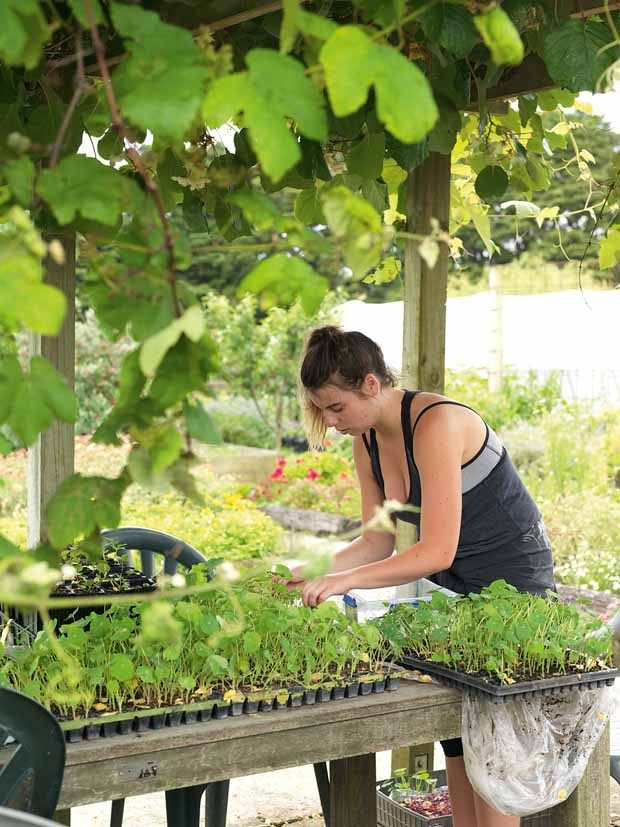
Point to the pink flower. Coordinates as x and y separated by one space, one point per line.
276 473
312 474
344 475
281 462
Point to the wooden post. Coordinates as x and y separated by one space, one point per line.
588 805
352 792
426 288
424 340
50 459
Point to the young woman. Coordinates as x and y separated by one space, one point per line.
477 522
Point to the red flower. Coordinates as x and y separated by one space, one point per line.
276 473
281 462
312 474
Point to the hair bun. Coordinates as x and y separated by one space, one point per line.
324 335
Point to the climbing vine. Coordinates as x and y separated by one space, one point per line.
136 124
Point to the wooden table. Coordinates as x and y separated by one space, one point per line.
347 733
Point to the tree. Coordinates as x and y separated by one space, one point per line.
259 359
583 173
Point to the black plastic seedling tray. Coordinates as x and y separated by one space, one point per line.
560 683
123 723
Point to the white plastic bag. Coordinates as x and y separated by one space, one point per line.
528 753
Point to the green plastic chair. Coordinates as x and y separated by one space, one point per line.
182 805
31 776
15 818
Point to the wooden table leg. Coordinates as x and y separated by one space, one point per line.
352 791
588 806
63 817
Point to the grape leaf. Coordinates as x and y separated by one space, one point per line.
273 89
574 54
287 278
366 159
83 505
609 253
79 10
161 83
80 185
354 63
23 32
357 225
199 424
451 27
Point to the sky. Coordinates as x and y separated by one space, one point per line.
606 105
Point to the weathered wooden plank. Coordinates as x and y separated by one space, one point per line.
425 296
217 750
352 795
51 458
588 805
303 519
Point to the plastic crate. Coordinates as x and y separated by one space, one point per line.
392 814
359 606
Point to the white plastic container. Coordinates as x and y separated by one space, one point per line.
366 604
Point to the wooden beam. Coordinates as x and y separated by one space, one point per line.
352 793
51 458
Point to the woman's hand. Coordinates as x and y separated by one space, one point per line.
296 580
316 591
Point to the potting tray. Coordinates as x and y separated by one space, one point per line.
393 814
560 683
216 708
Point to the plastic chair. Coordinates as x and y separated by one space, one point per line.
15 818
182 805
31 776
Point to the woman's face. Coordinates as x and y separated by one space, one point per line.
349 412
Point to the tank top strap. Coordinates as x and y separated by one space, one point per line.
373 453
405 416
434 405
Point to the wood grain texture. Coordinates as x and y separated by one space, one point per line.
426 288
352 794
216 750
51 458
588 805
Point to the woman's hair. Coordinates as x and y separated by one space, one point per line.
341 358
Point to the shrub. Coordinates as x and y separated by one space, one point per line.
242 429
517 399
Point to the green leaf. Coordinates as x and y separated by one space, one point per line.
308 208
366 159
573 54
165 448
20 175
375 192
285 278
79 10
111 145
80 185
288 29
609 253
442 137
153 350
501 36
387 271
491 183
451 27
527 107
274 89
82 506
161 84
357 225
199 424
257 208
23 32
121 667
251 642
315 25
354 63
185 368
407 156
24 298
549 100
36 398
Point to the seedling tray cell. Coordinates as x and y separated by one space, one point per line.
143 720
560 683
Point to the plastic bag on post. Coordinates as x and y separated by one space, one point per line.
528 753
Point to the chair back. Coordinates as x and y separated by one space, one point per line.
32 755
149 542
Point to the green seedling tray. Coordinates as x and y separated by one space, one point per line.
560 683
